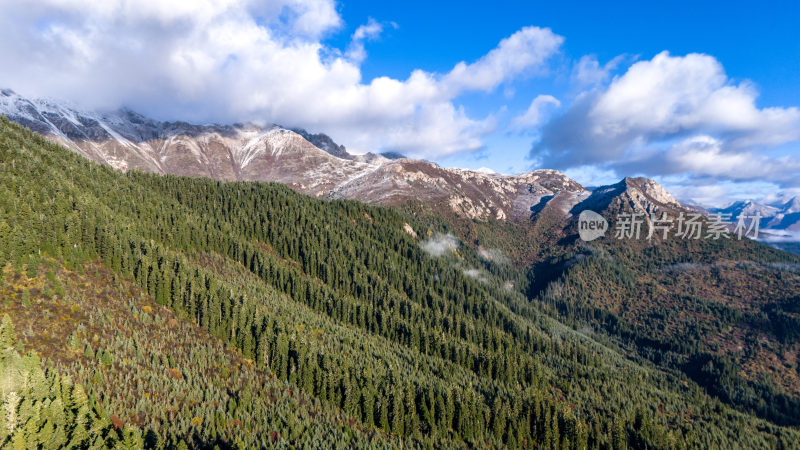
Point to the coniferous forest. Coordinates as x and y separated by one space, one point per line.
170 312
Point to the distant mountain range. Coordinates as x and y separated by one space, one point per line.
313 164
310 163
784 216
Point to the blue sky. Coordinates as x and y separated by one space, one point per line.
701 96
758 43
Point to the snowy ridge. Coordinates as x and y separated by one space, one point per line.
254 147
309 163
775 217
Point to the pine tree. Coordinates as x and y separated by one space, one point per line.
8 338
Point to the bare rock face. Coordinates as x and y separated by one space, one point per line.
410 231
648 191
473 194
642 195
324 142
314 164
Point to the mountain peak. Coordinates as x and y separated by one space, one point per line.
792 206
641 194
746 207
652 190
551 179
324 142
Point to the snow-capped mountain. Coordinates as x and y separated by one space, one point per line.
787 217
309 163
746 207
792 206
126 140
784 216
467 192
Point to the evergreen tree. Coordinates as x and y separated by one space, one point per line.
8 338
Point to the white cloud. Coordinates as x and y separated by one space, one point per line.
591 175
673 114
588 72
440 244
515 55
703 195
371 30
241 60
711 192
532 118
704 155
493 254
477 274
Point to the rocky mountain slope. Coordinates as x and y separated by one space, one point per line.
310 163
642 195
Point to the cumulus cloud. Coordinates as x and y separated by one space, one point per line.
706 156
525 49
588 72
673 114
439 244
246 60
532 118
371 30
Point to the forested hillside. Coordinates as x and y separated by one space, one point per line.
207 314
723 312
